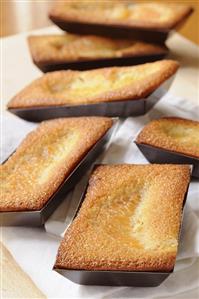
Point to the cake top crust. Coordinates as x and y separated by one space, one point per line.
95 86
149 15
65 48
44 160
129 220
173 134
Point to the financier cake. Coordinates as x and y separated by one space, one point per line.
45 158
172 133
94 86
148 15
57 49
129 220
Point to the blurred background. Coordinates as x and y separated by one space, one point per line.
24 15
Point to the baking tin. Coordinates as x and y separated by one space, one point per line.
158 155
116 278
112 109
117 31
38 218
100 63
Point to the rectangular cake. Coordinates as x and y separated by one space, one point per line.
45 159
72 48
129 220
94 86
150 15
173 134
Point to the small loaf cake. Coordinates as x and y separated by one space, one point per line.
149 15
57 49
173 134
94 86
44 160
129 220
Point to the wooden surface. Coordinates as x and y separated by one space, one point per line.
21 16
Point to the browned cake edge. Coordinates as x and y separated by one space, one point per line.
163 262
60 174
143 136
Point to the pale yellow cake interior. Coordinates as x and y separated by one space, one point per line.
85 46
183 133
87 83
124 217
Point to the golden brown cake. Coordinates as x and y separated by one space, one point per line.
45 158
64 48
149 15
129 220
173 134
101 85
